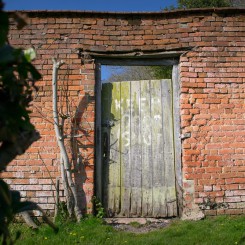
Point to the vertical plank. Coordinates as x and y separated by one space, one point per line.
168 149
177 139
125 149
106 101
176 116
98 149
114 194
158 191
146 157
135 144
141 170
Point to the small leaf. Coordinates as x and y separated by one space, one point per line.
30 54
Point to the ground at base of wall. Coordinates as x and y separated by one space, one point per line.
138 225
220 230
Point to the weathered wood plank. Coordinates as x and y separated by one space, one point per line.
135 144
141 168
158 190
106 94
146 157
114 190
137 62
125 150
98 149
168 148
177 134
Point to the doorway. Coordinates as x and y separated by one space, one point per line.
137 148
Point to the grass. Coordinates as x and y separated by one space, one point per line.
210 231
135 224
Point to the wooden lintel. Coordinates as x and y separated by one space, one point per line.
110 57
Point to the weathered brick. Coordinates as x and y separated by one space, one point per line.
211 85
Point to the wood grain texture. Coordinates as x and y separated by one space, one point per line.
135 145
159 184
176 117
105 138
141 172
114 195
98 148
146 146
125 150
177 137
168 147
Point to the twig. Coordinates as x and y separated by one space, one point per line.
57 197
46 169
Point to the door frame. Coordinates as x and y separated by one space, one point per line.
174 61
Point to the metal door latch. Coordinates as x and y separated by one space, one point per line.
108 124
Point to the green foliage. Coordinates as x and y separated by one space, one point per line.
99 210
160 72
30 54
135 73
135 224
187 4
62 214
216 231
17 77
10 205
210 204
4 24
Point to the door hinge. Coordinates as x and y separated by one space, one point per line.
185 136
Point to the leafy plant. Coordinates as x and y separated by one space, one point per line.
99 210
17 81
186 4
132 73
210 204
16 131
62 214
10 205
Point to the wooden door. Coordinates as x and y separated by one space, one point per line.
138 149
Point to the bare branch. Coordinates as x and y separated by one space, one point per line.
60 139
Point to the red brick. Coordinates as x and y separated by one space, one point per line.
211 85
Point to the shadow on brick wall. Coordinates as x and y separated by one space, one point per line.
82 147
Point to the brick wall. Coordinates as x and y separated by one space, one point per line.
212 81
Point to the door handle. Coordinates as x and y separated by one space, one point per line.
105 145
